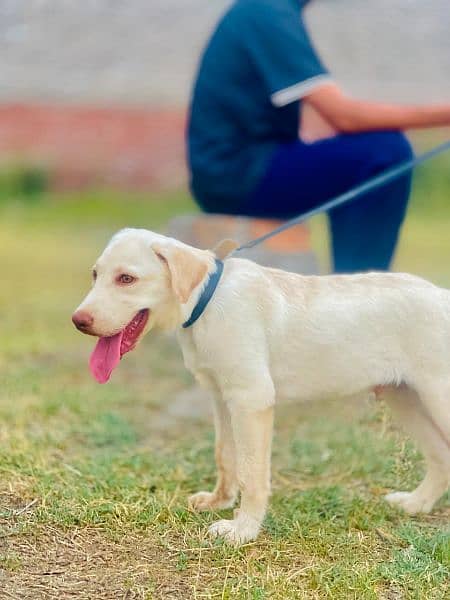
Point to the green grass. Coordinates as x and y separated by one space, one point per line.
94 479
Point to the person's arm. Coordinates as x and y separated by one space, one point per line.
313 126
348 115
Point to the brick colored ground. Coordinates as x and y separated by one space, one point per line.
86 145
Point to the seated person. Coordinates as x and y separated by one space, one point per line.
260 97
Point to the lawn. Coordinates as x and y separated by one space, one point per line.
94 479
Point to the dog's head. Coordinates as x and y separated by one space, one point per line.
141 280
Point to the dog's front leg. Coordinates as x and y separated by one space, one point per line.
252 432
225 492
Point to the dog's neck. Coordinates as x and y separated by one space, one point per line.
206 294
169 319
181 316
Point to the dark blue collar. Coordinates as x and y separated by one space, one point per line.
206 295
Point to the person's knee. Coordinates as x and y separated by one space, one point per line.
393 147
378 151
399 146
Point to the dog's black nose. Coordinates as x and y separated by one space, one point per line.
82 320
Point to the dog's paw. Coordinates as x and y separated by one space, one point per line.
410 502
236 531
209 501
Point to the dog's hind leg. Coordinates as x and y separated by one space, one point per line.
436 401
226 489
412 412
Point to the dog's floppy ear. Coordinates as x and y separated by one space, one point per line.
186 266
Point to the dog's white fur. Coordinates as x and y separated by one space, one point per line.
269 334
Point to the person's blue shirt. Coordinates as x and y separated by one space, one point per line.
257 66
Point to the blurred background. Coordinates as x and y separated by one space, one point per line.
93 97
96 91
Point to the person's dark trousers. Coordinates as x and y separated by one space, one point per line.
302 176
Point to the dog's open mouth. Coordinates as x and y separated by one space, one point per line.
109 350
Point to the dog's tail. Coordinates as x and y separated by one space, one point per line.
225 248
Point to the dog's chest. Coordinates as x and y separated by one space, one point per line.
197 360
192 358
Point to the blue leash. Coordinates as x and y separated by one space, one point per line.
206 295
370 184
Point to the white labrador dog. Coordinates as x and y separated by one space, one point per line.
267 334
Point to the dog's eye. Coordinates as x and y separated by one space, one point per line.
126 279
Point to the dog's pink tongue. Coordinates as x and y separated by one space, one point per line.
106 357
